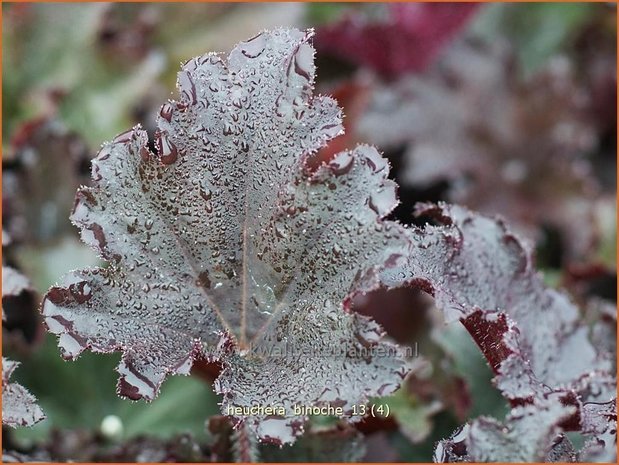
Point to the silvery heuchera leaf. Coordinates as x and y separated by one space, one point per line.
19 407
532 336
225 245
529 434
482 274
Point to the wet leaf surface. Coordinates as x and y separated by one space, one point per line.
532 336
223 245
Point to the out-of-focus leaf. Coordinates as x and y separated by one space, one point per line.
55 70
225 246
467 362
17 457
13 282
412 416
45 165
319 445
474 123
397 38
19 303
605 219
177 449
335 443
82 445
324 12
126 31
19 407
43 262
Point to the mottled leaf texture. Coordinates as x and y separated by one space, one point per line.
532 336
19 407
224 245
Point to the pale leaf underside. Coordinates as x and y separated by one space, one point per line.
223 244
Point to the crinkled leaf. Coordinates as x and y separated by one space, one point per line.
532 336
482 274
599 422
19 407
224 245
529 434
526 437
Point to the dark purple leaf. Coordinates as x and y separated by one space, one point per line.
399 39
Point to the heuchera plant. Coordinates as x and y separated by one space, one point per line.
226 245
532 336
19 407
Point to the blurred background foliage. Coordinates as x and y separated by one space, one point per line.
75 75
